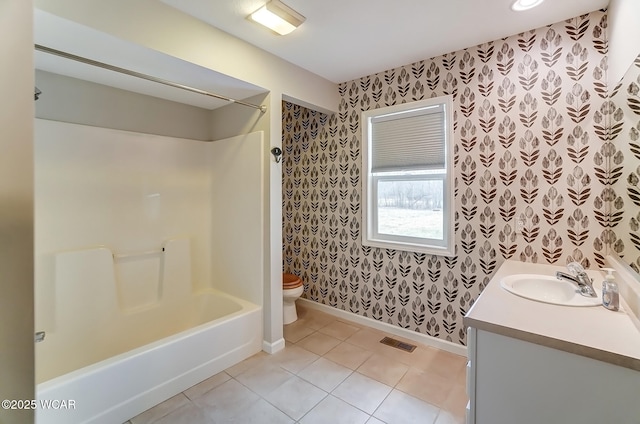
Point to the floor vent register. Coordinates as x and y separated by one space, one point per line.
407 347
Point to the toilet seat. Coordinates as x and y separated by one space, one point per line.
290 281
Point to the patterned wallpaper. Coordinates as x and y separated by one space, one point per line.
530 133
624 115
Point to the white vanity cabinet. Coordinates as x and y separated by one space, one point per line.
512 381
536 363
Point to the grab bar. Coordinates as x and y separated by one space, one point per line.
141 253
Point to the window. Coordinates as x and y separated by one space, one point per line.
407 161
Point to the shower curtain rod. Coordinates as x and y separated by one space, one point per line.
103 65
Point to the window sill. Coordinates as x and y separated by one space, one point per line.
409 247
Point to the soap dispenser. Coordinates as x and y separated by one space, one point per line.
610 293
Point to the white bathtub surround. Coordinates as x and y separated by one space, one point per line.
133 191
388 328
149 265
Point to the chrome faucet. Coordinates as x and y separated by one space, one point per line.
578 276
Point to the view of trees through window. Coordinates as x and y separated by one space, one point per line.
411 208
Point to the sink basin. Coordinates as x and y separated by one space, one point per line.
547 289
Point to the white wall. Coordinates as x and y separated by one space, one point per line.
16 213
77 101
624 37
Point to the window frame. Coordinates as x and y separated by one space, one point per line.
370 234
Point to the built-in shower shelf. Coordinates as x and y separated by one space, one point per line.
127 282
136 254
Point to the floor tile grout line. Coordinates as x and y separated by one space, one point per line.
323 398
294 375
378 407
314 406
260 397
409 367
394 387
330 393
342 400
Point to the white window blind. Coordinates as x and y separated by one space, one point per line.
409 141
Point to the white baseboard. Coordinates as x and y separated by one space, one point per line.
387 328
274 347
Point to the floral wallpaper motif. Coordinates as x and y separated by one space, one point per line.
531 137
624 115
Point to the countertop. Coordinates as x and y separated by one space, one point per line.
594 332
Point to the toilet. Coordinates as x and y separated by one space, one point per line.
292 289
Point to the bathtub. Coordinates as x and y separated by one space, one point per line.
221 331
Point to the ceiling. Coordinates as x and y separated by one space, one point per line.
342 40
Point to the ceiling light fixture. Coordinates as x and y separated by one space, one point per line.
278 17
520 5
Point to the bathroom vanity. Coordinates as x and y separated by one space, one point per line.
532 362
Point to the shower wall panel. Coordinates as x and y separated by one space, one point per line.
129 192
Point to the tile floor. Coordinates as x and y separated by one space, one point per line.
331 371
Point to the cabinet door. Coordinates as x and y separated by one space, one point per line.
525 383
471 375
